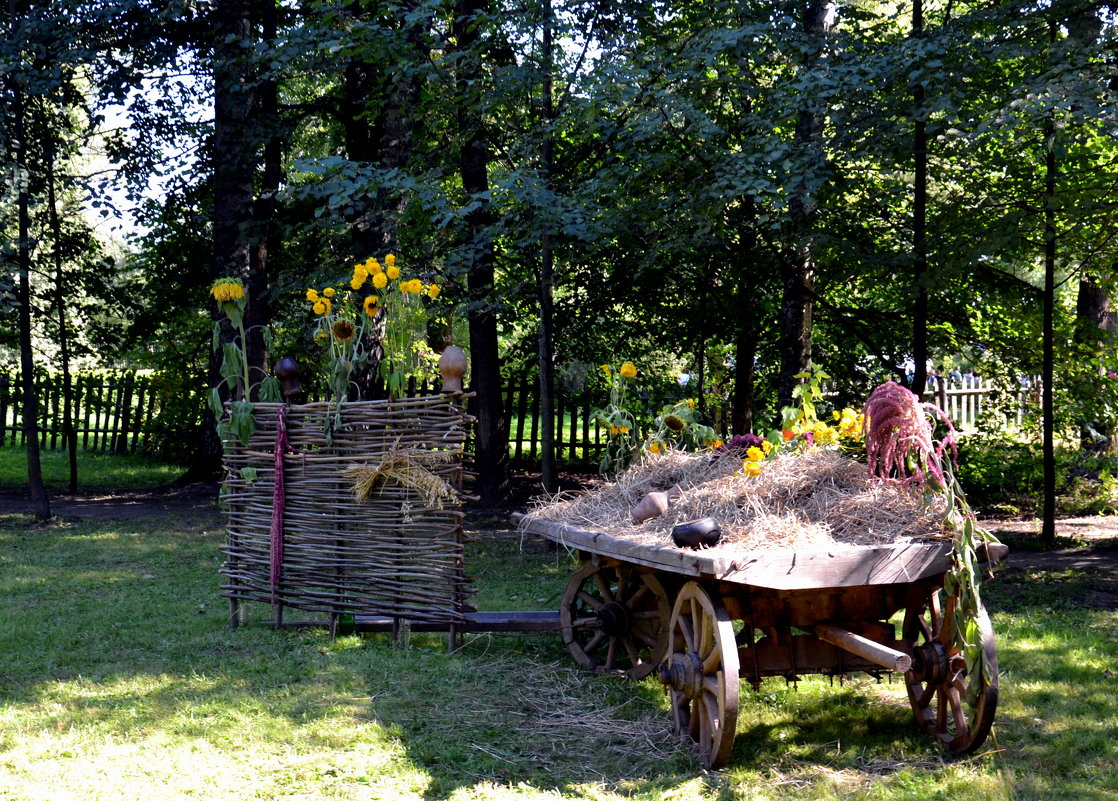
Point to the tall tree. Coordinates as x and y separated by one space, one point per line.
799 260
491 449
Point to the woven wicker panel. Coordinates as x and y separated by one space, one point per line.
395 554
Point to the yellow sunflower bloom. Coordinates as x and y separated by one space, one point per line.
371 305
433 291
392 271
390 260
379 280
227 290
628 370
656 447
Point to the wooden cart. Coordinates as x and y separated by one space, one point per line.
704 621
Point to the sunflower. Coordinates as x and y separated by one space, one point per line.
226 290
343 330
371 302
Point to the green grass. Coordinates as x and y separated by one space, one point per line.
97 472
120 678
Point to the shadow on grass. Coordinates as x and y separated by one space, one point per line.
119 630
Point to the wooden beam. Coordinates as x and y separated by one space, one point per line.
875 652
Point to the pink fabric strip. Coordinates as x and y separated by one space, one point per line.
278 500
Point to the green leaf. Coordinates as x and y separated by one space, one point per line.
250 474
242 423
269 390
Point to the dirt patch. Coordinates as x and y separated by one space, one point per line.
161 502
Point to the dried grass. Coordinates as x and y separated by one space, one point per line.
811 500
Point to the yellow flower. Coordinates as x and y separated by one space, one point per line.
371 305
433 291
390 260
656 447
343 330
328 292
609 373
359 277
372 267
767 447
312 295
824 434
412 287
690 403
379 281
392 271
754 454
716 444
319 307
226 290
628 370
752 469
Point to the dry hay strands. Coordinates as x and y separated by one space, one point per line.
809 500
407 467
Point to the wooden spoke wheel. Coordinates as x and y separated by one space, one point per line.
953 690
615 619
701 673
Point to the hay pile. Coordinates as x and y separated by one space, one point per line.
813 500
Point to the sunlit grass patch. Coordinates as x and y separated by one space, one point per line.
97 471
120 678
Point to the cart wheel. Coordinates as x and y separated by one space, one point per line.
953 691
701 672
615 619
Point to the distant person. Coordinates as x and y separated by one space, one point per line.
956 376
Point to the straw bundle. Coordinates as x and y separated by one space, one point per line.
811 500
396 553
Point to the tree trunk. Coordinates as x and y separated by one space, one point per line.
547 265
798 270
40 503
234 165
265 208
492 427
1048 523
919 223
69 435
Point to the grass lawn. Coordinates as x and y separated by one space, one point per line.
120 679
97 472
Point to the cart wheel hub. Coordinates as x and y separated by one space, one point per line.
614 618
684 674
929 662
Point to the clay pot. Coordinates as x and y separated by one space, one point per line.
654 504
287 371
452 366
701 533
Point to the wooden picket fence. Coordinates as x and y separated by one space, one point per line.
110 410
